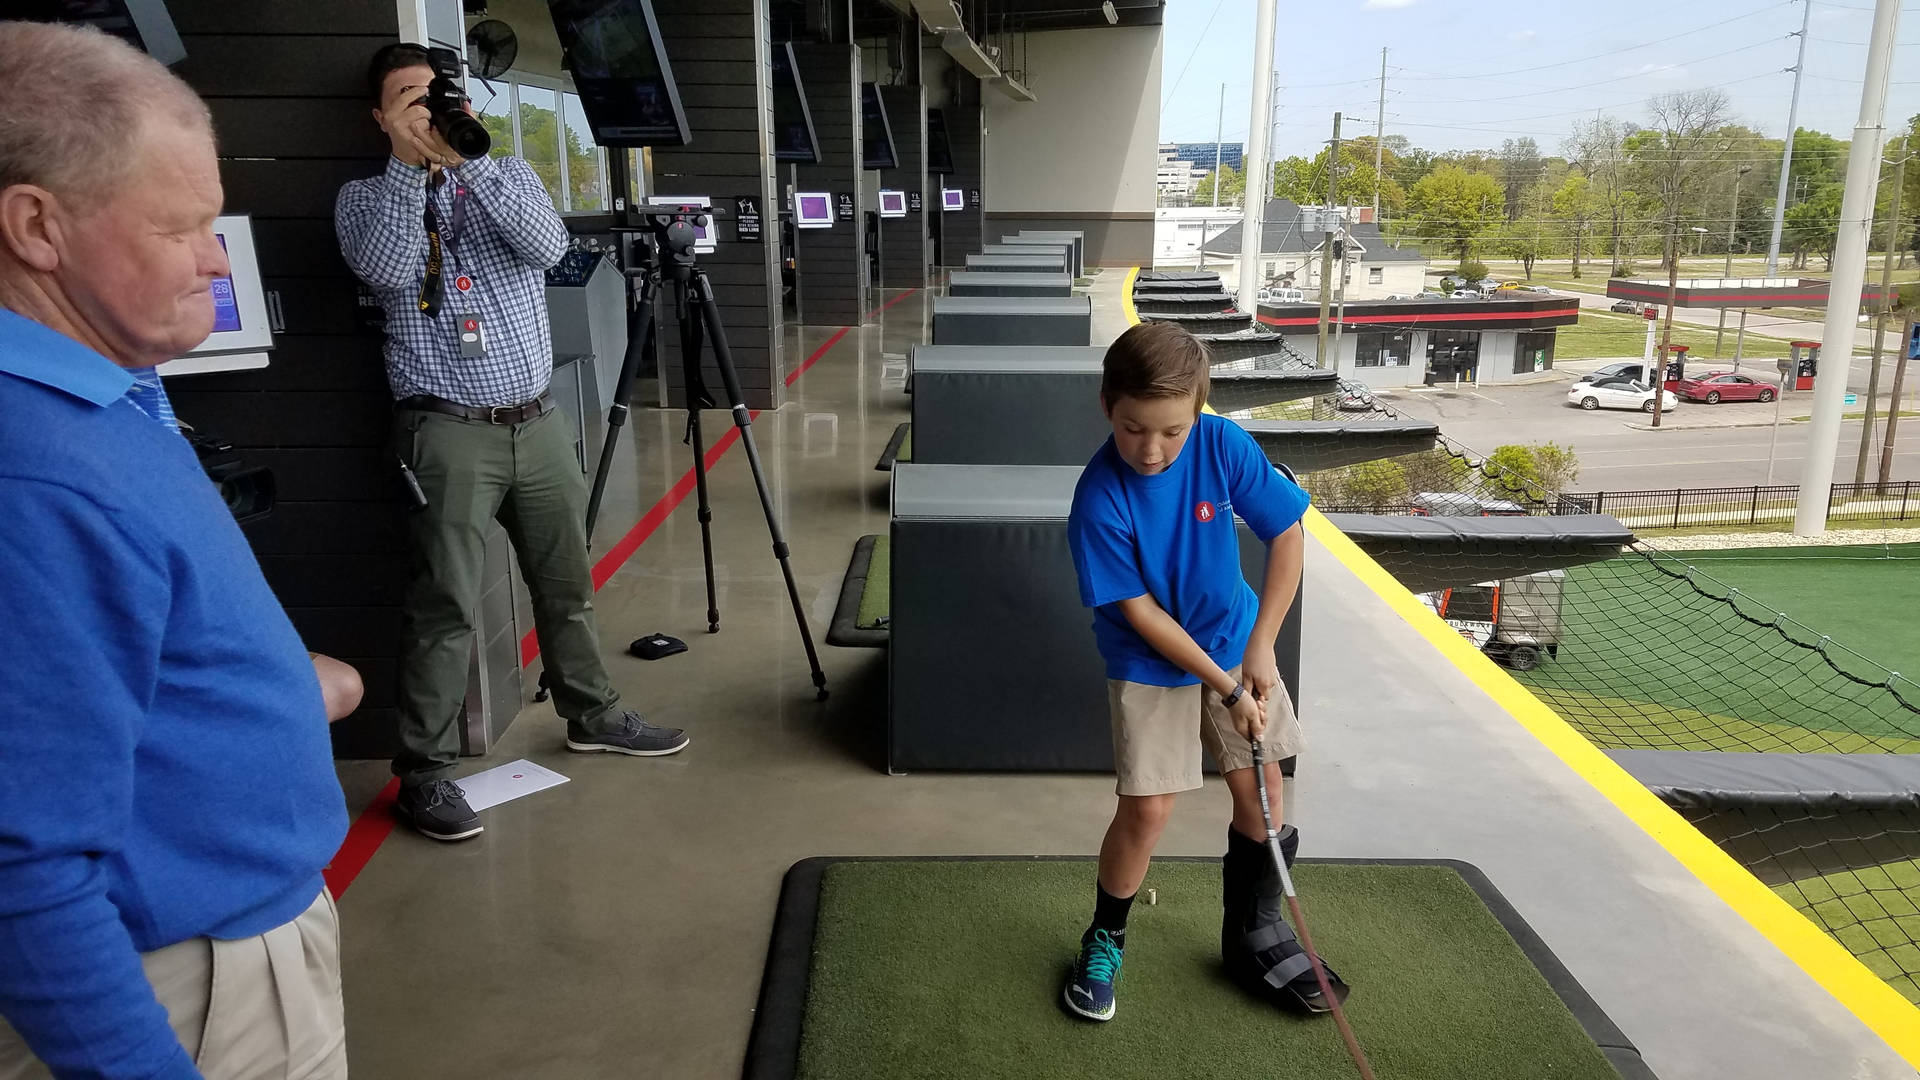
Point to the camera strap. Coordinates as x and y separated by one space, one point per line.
433 287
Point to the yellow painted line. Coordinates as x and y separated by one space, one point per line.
1878 1005
1126 297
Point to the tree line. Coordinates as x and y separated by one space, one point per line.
1616 192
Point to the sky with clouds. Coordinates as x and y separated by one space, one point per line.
1464 76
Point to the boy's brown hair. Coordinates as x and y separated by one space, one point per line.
1155 360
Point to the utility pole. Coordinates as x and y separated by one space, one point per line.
1880 318
1379 137
1849 273
1786 155
1326 249
1733 218
1893 412
1340 267
1273 138
1219 127
1253 217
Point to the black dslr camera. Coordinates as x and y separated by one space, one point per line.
448 104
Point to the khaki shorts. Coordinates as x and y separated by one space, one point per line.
1154 748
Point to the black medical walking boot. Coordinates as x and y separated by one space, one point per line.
1259 949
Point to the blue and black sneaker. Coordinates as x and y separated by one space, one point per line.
1089 990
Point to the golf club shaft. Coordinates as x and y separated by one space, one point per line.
1300 920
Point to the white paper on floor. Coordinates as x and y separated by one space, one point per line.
504 783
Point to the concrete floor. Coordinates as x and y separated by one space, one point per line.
616 926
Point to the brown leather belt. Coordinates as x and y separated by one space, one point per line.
485 414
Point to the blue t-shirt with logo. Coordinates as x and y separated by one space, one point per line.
1171 536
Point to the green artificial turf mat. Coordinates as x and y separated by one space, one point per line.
876 599
953 968
906 448
1874 912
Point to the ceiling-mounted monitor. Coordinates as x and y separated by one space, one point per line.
952 199
241 332
939 150
613 51
793 136
813 210
876 151
144 24
893 203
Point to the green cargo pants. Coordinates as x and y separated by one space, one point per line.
527 477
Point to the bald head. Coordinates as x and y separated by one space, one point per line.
108 190
77 100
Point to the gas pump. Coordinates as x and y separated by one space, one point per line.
1676 367
1801 365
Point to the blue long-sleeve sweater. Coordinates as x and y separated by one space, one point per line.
165 770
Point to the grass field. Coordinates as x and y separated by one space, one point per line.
1604 334
953 970
1646 662
1877 915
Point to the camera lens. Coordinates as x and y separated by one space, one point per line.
467 136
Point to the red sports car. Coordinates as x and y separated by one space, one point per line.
1718 386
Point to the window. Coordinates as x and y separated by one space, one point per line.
585 185
1533 352
1376 275
1393 348
540 137
548 129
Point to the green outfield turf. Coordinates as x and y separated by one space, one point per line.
1877 913
1867 598
954 968
876 599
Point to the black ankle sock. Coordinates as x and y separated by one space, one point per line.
1109 914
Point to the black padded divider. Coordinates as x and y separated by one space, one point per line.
1073 237
1038 263
977 405
1182 285
1178 275
1205 323
1242 344
1012 320
999 283
845 629
1429 553
1715 780
773 1046
1182 303
992 664
1307 445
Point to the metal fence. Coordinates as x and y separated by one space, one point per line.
1672 508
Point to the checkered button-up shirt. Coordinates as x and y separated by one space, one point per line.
510 235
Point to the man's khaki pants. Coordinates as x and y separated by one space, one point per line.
257 1008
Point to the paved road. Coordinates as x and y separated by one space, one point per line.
1761 322
1614 456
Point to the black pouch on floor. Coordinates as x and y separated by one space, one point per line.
655 646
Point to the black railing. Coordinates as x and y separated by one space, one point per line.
1897 500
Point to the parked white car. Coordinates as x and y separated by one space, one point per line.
1619 394
1282 296
1625 369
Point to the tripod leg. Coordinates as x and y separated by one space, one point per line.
639 326
742 419
697 399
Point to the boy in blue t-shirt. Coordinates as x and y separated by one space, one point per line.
1189 651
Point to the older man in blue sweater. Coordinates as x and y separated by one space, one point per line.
167 794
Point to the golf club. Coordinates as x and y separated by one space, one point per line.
1300 921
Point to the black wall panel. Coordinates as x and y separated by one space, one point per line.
903 241
832 262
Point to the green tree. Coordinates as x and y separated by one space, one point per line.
1455 209
1814 225
1520 168
1532 471
1305 182
1233 185
1525 240
1434 470
1575 206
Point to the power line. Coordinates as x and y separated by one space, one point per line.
1195 51
1662 40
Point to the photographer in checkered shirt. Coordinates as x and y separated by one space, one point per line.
469 360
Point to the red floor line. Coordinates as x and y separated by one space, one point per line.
375 823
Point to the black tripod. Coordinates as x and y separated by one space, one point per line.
668 239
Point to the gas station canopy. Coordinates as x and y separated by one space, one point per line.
1732 292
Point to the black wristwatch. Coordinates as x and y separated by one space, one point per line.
1233 699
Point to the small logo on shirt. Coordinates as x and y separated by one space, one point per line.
470 325
463 283
1204 513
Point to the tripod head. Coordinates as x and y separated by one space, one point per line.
667 232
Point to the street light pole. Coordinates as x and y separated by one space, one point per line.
1849 273
1786 155
1733 218
1880 318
